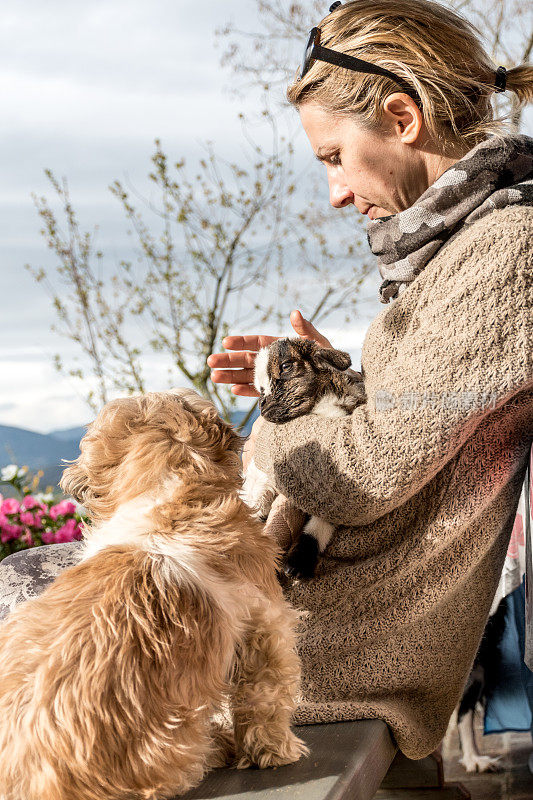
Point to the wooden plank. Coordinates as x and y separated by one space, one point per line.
405 773
348 761
453 792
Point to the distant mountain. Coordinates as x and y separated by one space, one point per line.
20 446
70 434
38 451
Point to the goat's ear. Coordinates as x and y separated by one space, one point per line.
327 358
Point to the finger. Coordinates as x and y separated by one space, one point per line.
237 360
236 376
252 342
244 390
306 329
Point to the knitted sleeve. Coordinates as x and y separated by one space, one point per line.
463 351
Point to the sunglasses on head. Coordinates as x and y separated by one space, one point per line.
315 52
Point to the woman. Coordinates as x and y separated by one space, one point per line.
423 480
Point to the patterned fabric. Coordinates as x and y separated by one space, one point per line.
496 173
26 574
514 567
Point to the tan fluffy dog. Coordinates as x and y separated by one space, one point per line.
109 679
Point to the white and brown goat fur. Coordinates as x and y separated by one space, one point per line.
296 377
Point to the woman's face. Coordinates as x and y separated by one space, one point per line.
380 173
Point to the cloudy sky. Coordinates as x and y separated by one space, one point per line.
86 88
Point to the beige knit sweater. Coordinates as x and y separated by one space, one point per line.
422 482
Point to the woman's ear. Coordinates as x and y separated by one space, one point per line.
404 116
327 358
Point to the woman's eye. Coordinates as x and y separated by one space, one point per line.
335 160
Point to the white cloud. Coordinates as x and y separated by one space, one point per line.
39 398
36 397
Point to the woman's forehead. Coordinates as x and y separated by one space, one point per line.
325 130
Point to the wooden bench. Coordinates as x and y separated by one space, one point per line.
348 761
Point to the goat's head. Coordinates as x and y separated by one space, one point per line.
292 374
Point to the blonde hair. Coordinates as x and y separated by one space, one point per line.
434 49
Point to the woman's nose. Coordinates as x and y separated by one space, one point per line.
339 194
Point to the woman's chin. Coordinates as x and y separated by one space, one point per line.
375 212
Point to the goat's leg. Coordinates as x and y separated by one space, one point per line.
303 555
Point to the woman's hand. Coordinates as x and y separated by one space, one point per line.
237 368
249 445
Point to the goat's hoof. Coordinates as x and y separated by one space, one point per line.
302 558
297 573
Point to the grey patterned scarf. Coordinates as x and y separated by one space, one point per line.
496 173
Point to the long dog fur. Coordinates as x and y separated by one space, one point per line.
110 679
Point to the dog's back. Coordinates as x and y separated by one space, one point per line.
72 687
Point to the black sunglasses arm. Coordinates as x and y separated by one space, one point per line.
351 62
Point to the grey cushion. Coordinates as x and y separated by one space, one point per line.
26 574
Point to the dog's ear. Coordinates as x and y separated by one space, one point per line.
327 358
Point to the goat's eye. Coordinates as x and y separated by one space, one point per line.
286 367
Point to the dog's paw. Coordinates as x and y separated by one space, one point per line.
222 752
302 558
290 750
477 763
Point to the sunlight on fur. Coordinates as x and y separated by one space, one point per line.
111 678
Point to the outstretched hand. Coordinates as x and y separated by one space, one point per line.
237 367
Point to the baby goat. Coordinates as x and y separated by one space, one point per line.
295 377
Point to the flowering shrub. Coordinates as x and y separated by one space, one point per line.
36 517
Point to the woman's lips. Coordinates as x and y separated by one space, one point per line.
370 212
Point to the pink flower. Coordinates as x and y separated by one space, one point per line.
10 506
48 537
26 518
68 532
29 502
62 509
37 519
10 532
